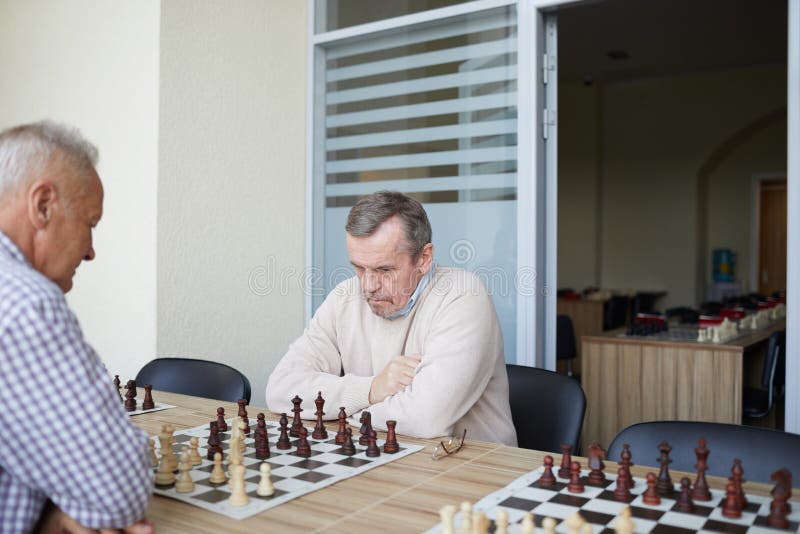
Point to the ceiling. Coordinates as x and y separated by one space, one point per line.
668 37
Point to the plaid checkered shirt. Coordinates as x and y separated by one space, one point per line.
66 436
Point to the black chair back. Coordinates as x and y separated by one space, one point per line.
201 378
547 408
615 313
565 338
772 374
762 451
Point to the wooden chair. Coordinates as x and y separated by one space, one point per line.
547 408
201 378
762 451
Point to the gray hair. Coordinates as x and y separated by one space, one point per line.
28 149
373 210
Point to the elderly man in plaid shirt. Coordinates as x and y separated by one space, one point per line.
70 459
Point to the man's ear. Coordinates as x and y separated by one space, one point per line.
42 200
425 258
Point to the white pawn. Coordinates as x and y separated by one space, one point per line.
480 523
164 475
167 452
549 525
185 483
501 522
574 523
624 525
465 526
194 454
265 487
218 474
447 514
238 494
528 526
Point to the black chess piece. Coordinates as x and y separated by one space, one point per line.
283 440
341 433
348 448
222 425
319 430
130 395
303 447
366 426
685 503
297 422
372 448
664 485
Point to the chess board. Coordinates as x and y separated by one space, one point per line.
159 406
292 475
599 508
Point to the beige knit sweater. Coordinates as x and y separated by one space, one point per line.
461 382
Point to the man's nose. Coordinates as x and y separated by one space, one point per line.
370 282
89 255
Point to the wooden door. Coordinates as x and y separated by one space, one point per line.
772 237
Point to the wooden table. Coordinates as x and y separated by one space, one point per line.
403 496
629 380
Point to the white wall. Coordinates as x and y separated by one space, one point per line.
655 136
94 64
231 181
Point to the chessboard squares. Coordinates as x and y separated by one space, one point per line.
554 510
613 508
334 470
518 503
284 459
255 477
352 461
309 464
761 521
665 505
608 495
747 517
668 529
684 520
324 446
214 496
699 510
558 486
569 499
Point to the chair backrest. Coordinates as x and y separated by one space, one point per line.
762 451
547 408
615 313
772 374
565 338
201 378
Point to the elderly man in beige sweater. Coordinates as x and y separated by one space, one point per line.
404 338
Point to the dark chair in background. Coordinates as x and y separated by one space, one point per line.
547 408
565 341
201 378
758 403
762 451
616 311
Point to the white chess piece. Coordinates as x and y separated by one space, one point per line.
574 523
265 487
624 525
480 523
549 525
194 454
465 526
238 494
153 456
164 475
501 522
528 526
447 514
185 484
217 473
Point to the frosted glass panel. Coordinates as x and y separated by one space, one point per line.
430 111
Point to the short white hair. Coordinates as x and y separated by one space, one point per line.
27 150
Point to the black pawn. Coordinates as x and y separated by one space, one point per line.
348 449
303 447
118 383
566 461
283 440
297 423
372 448
548 479
221 424
262 440
243 414
622 492
685 503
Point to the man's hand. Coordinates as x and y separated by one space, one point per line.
55 521
397 374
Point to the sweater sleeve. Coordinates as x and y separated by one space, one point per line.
314 364
460 354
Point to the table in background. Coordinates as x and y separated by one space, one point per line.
629 380
403 496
